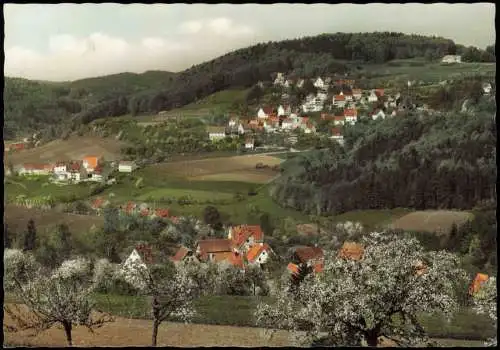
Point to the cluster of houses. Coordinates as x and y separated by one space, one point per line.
134 209
90 168
245 247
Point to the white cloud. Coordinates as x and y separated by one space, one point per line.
191 27
70 58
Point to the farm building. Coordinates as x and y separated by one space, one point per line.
216 132
126 166
36 169
452 59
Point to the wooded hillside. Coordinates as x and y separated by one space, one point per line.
422 162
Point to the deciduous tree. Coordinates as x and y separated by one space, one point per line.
379 295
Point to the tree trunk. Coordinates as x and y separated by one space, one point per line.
156 324
372 338
67 329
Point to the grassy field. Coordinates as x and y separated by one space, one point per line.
40 186
429 72
76 147
243 167
46 220
438 221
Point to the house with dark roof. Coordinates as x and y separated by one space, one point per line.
141 257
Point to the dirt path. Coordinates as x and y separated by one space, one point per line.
133 332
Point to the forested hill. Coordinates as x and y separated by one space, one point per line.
31 105
419 162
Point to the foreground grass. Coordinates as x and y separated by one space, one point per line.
239 310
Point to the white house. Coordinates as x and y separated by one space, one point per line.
280 79
77 172
249 143
300 83
348 96
231 123
351 115
357 94
372 97
337 135
258 254
241 129
339 100
264 113
281 111
126 166
487 88
339 120
308 128
319 83
216 133
288 124
98 175
452 59
61 171
378 115
322 95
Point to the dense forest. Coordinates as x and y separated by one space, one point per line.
417 161
30 105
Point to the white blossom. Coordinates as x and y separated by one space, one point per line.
354 301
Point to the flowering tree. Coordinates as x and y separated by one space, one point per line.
172 292
485 302
62 296
379 295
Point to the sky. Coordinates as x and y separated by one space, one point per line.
73 41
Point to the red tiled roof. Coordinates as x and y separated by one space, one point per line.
254 252
351 250
267 110
339 117
294 269
92 161
350 112
38 166
478 281
130 206
356 91
339 98
241 233
98 170
213 246
75 166
162 213
236 259
180 254
336 132
319 267
144 212
379 92
308 253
